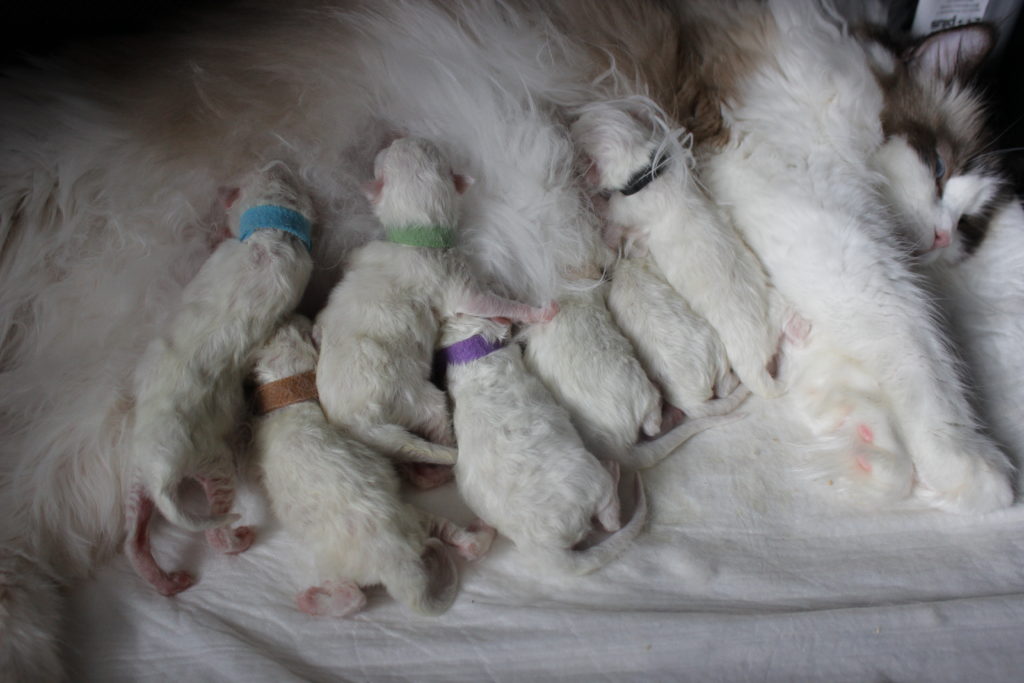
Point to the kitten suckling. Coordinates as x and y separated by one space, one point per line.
341 498
379 328
689 238
189 382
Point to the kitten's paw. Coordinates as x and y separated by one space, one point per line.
478 539
546 314
175 583
331 600
231 541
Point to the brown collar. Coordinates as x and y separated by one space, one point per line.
285 392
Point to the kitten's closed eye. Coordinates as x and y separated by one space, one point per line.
940 166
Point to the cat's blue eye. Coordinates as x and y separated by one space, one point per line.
940 167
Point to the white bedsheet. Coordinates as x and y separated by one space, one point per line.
748 571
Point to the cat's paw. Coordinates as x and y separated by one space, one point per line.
981 488
863 474
331 600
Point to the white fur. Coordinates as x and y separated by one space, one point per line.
689 239
341 498
189 382
591 369
378 331
795 177
679 349
522 467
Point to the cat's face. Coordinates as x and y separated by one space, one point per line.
937 179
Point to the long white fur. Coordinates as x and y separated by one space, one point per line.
341 498
379 329
795 177
678 348
694 246
522 467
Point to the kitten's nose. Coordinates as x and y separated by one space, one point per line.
943 238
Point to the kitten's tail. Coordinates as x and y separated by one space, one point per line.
720 406
580 562
30 610
426 584
650 453
402 445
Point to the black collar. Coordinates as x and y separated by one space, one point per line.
645 175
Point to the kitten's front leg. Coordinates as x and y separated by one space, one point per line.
485 304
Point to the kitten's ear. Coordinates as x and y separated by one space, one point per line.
953 54
462 182
228 195
372 189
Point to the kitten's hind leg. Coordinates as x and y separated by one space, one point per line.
140 509
471 542
220 492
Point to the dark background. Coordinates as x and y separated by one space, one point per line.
42 29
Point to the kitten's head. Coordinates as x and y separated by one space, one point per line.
414 185
615 143
938 181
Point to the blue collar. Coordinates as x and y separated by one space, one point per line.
271 217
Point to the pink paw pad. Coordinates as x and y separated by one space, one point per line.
481 537
331 600
231 541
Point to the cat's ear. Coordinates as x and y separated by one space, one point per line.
953 54
228 196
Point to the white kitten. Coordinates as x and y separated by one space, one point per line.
591 369
694 246
189 382
679 349
341 498
522 467
378 331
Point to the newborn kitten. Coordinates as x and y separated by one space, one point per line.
189 382
341 498
700 255
378 331
679 349
591 369
522 467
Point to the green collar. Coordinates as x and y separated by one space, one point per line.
432 236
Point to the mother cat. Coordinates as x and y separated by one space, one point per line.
109 175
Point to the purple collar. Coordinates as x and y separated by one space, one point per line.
469 350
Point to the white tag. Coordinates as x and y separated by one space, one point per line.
936 15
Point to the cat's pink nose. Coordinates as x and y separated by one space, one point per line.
942 239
